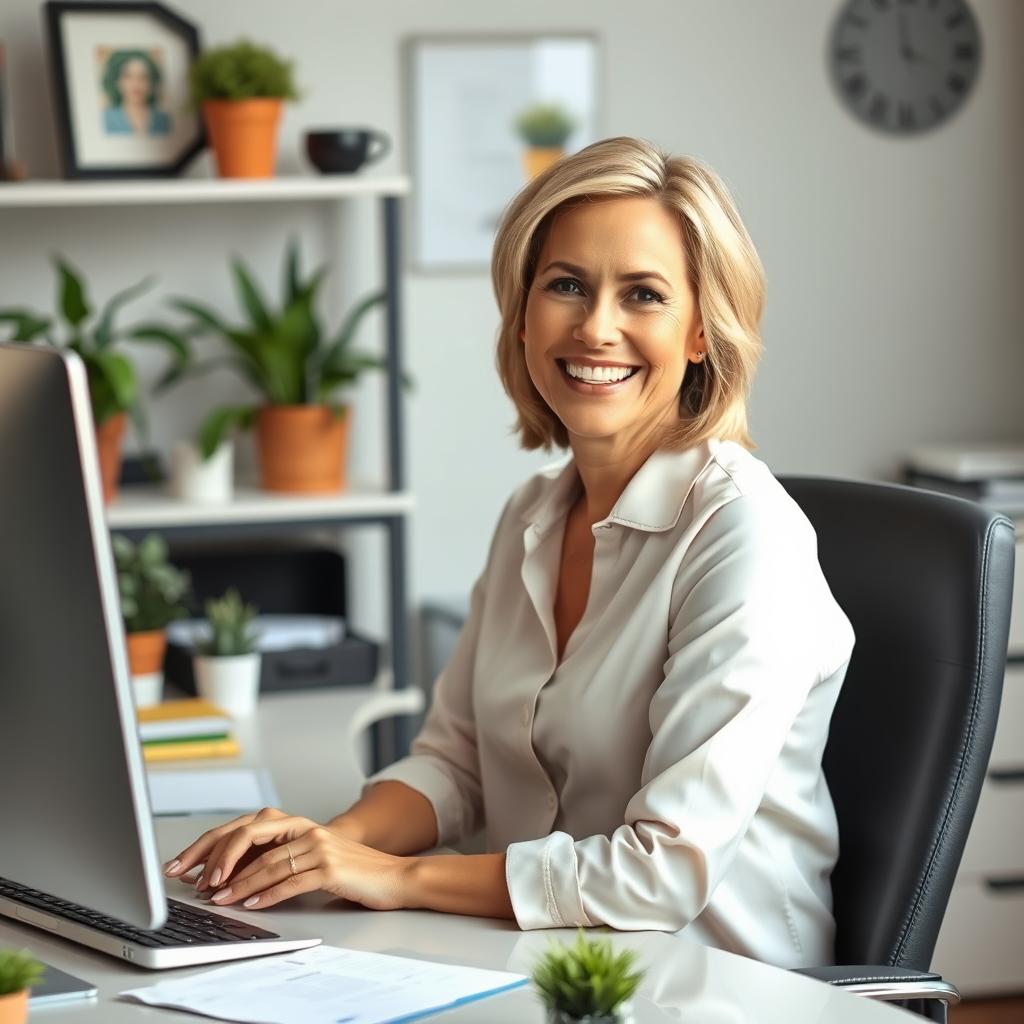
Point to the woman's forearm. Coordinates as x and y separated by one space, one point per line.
473 884
391 817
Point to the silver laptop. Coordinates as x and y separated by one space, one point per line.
78 854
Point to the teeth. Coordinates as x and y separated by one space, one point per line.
598 374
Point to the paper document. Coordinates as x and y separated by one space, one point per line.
327 985
215 791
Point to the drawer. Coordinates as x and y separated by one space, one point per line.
1008 746
981 939
1017 609
995 844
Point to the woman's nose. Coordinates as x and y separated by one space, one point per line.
599 323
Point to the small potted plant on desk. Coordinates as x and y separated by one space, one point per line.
113 389
587 983
152 591
227 666
240 90
19 972
544 127
298 367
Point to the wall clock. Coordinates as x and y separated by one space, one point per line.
904 66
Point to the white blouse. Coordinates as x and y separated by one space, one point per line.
666 775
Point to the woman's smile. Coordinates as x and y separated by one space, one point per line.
586 378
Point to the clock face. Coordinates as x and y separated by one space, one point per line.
904 66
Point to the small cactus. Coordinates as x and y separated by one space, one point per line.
230 622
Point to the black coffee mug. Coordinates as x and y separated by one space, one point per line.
344 150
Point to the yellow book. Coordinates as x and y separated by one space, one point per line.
192 718
226 746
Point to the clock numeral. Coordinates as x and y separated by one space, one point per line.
956 83
848 53
856 85
906 115
956 19
963 51
879 107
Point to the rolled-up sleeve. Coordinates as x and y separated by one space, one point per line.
744 652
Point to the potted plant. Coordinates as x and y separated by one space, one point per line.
113 388
544 127
240 90
203 470
227 666
298 367
19 972
152 591
587 981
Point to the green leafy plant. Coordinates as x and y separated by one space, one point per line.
19 970
113 387
230 624
152 590
544 125
241 71
587 978
285 354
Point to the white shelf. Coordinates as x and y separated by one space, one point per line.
153 508
135 191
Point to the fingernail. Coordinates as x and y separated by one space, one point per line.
199 881
215 877
222 895
175 865
251 901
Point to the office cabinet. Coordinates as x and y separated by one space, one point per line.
981 944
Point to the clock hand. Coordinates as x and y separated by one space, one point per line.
905 48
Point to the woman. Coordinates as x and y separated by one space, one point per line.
638 703
131 81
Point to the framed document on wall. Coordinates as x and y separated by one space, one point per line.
483 114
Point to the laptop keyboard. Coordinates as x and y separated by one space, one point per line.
186 925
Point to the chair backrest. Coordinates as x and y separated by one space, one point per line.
926 580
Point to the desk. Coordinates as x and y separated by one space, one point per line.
303 739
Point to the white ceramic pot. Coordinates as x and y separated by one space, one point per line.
148 689
232 683
209 481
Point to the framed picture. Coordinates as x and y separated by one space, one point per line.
484 114
120 80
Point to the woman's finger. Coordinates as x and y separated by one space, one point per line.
276 857
197 851
274 884
229 850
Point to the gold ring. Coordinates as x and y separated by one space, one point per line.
291 859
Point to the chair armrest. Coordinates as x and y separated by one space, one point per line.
885 983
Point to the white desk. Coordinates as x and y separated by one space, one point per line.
303 740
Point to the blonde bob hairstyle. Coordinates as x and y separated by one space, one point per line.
725 274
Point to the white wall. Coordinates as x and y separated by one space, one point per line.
893 264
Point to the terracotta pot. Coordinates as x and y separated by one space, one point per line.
146 651
243 136
302 448
537 159
14 1007
109 435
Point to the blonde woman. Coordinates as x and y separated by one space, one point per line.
636 708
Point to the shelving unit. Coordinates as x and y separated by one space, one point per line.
138 510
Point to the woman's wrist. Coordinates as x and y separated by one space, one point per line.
348 827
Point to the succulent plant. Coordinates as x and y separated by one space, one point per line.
152 590
546 125
587 980
230 624
19 970
241 71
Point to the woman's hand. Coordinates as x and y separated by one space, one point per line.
304 856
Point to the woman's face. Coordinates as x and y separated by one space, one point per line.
133 82
611 299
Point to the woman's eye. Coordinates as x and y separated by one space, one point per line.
654 296
555 285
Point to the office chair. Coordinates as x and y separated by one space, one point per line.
926 581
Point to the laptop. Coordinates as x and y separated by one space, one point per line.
78 855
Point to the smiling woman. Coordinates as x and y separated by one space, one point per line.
636 708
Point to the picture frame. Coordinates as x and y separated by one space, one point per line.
120 85
463 94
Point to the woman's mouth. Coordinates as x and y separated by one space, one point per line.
591 380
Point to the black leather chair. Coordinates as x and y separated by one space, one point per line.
926 581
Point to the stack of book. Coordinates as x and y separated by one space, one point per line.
181 729
990 474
